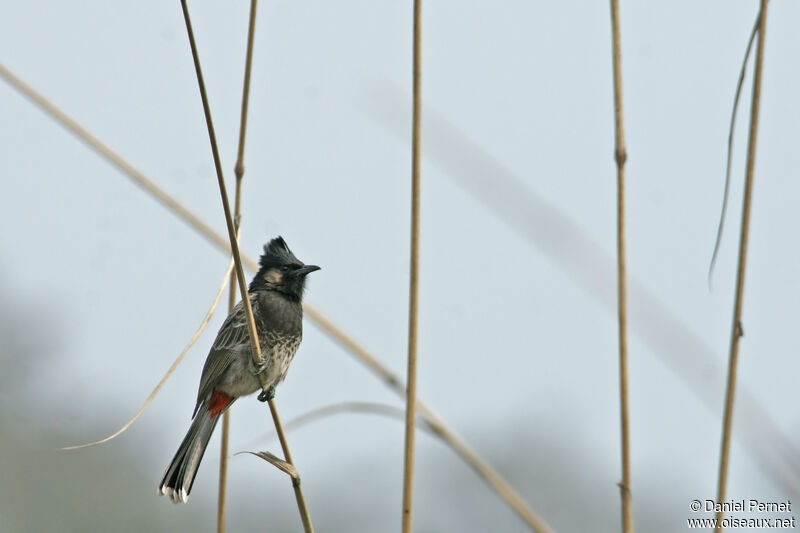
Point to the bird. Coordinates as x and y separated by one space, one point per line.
276 294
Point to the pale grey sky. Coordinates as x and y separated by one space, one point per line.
516 353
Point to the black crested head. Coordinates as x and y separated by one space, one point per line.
276 253
281 271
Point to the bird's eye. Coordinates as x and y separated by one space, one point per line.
283 268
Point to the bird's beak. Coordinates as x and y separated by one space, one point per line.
307 269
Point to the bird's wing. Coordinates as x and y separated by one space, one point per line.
232 338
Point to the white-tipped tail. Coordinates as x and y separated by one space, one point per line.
180 474
177 496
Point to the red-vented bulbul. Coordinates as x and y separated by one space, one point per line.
276 294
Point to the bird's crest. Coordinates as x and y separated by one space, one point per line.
277 252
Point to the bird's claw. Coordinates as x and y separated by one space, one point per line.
267 395
257 368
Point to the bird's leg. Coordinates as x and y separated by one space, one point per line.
267 395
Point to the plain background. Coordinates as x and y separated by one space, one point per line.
102 287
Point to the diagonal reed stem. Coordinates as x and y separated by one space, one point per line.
336 333
413 298
736 326
621 155
251 325
212 136
447 433
305 516
237 216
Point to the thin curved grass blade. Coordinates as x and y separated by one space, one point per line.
169 373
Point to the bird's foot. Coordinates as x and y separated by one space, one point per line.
267 395
258 368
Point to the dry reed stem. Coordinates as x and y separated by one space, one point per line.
448 434
486 471
493 185
288 468
212 136
736 326
251 324
226 420
237 216
413 298
305 516
115 159
223 472
172 368
736 99
239 168
621 155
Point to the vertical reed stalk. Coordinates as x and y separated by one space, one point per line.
736 326
237 215
223 464
411 388
621 156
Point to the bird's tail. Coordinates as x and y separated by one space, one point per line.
179 477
